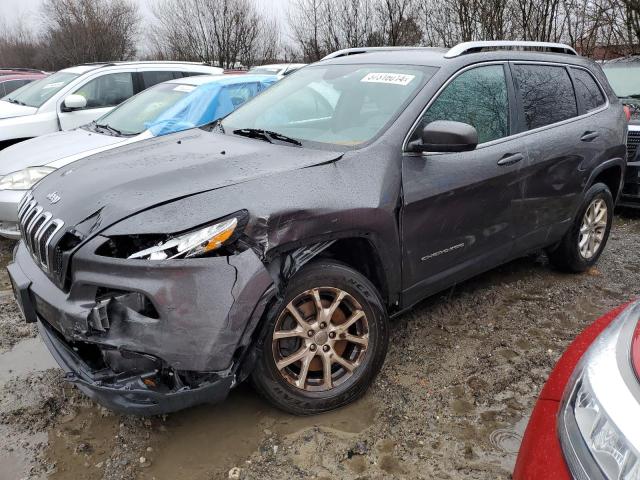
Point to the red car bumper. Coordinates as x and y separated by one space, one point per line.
540 454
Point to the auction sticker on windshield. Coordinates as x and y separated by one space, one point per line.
392 78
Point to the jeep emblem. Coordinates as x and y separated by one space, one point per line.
53 197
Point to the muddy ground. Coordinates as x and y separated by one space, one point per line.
462 375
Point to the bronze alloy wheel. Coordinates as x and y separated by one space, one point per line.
320 339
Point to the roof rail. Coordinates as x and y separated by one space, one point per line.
474 47
355 51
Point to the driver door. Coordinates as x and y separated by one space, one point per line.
460 210
102 94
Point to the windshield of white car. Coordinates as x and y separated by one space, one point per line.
36 93
338 105
133 116
624 80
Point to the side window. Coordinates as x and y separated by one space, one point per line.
108 90
547 94
587 90
478 97
149 79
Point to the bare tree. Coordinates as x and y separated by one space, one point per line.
80 31
398 22
221 32
307 19
19 46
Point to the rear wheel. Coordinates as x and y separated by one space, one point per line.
324 342
583 244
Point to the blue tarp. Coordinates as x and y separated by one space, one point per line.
209 102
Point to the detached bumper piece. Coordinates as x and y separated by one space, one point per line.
144 388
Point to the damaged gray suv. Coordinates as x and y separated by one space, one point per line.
277 243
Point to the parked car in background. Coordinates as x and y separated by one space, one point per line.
78 95
277 242
162 109
13 78
624 77
280 69
584 425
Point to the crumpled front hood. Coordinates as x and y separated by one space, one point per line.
10 110
51 148
103 189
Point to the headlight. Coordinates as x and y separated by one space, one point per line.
24 179
610 449
191 244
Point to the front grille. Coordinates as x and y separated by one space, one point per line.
38 228
633 139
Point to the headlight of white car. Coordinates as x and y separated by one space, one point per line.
24 179
192 244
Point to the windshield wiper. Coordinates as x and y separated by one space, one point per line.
266 135
17 102
109 128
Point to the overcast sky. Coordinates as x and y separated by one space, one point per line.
12 10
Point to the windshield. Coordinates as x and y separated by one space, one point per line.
36 93
332 104
134 115
625 81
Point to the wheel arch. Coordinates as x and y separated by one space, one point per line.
611 173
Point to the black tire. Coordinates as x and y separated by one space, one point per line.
273 386
566 255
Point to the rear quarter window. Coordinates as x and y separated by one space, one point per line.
587 90
546 93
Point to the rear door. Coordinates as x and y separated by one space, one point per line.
460 210
560 143
102 93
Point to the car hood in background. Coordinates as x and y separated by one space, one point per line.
10 110
57 149
96 192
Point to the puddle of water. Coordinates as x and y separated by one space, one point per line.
79 443
199 443
507 441
28 356
212 439
15 464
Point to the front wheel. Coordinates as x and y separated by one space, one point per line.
583 244
324 342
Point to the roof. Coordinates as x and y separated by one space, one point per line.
436 57
87 67
622 61
19 71
223 79
281 65
24 76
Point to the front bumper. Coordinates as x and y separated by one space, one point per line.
205 311
9 200
128 395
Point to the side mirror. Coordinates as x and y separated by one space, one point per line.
446 136
74 102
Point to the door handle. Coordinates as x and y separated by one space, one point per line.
510 159
589 136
